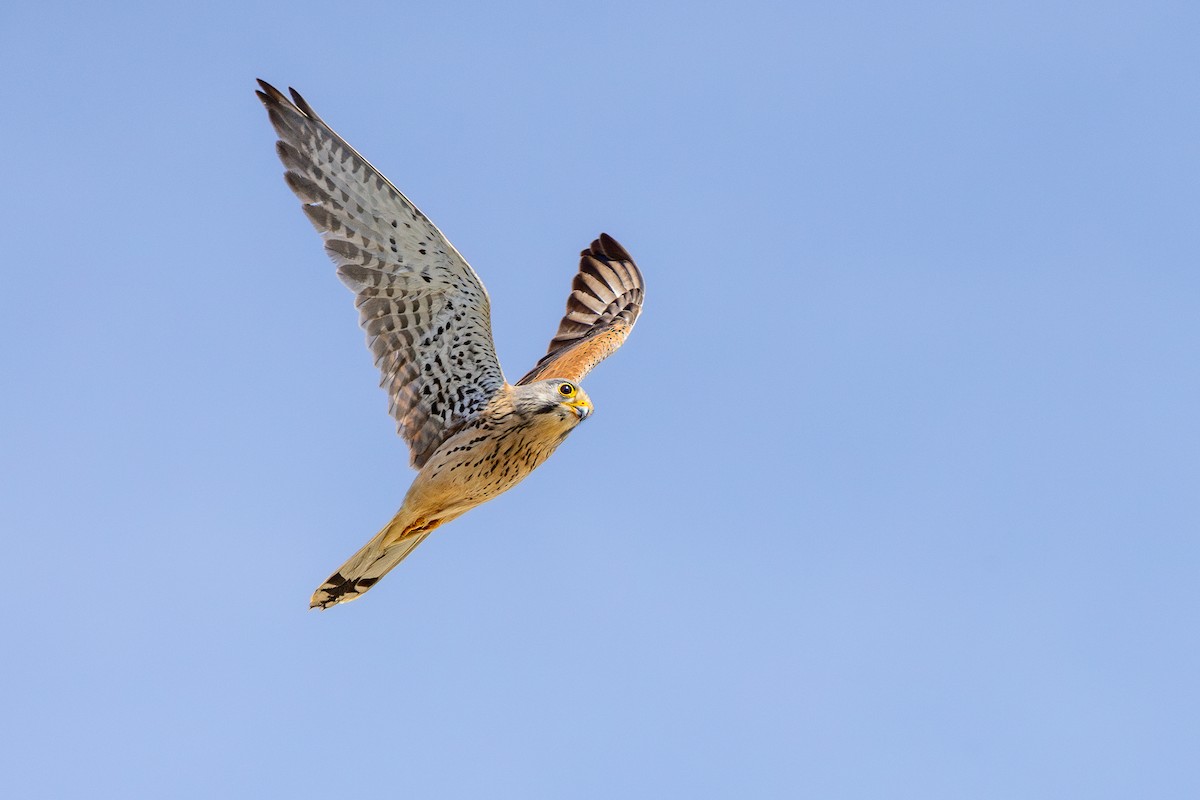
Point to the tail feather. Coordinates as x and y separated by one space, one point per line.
364 569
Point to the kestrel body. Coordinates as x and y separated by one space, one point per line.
472 435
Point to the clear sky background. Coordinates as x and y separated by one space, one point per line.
893 493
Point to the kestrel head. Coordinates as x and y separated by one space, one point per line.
554 396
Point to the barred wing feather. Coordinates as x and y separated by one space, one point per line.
605 301
425 311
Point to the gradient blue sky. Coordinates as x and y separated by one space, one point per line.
893 493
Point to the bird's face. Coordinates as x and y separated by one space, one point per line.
574 398
563 398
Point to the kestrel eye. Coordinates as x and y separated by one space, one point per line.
566 390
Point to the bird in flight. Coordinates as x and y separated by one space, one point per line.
472 434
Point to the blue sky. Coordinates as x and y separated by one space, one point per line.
892 493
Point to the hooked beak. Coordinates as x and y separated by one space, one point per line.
581 408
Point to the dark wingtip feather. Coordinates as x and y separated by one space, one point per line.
273 98
302 104
611 248
269 93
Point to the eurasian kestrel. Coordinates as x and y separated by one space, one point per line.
472 434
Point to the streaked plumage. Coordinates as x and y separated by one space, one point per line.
472 435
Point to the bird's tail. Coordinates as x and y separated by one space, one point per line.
364 569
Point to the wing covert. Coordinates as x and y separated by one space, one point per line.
605 301
425 312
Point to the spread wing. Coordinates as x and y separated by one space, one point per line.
426 313
606 298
